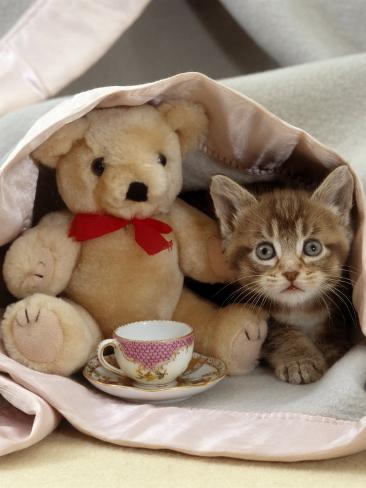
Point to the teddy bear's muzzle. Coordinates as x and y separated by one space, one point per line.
137 192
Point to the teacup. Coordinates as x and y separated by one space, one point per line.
152 352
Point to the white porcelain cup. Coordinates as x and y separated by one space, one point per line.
151 352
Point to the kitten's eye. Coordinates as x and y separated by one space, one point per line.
265 251
162 159
312 247
98 166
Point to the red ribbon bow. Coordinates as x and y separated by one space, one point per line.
147 231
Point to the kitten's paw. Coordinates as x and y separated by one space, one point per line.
302 371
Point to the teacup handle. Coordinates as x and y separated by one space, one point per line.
102 360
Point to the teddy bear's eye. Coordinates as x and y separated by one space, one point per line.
162 159
98 166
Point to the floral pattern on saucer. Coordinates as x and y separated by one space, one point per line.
202 373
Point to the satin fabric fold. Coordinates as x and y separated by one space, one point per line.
25 417
201 432
30 73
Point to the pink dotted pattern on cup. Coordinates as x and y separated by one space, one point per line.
149 354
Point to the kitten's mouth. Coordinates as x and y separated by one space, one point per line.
291 289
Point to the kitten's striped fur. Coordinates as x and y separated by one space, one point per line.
301 291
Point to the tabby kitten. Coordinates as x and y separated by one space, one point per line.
289 248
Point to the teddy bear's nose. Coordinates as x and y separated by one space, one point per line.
137 192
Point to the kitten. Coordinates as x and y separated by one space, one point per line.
289 248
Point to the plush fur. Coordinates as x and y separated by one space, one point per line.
302 292
110 280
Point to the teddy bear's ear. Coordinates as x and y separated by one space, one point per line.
60 143
188 120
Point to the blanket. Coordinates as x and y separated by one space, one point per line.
250 413
302 31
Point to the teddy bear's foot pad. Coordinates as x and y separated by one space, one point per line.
37 333
246 347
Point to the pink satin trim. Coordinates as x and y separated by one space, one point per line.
25 418
203 432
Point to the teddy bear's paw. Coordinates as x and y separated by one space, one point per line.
37 333
39 275
246 347
256 331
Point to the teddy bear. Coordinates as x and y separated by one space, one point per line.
121 250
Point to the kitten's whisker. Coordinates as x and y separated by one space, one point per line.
350 310
250 294
334 303
339 280
249 291
332 273
344 299
242 293
343 271
349 268
238 280
257 300
326 306
230 283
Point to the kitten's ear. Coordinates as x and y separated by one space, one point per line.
336 192
228 199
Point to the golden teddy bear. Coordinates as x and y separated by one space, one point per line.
121 251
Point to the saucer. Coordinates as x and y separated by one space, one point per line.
201 375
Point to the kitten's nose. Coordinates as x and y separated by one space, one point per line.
291 275
137 192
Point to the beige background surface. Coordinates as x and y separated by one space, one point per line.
69 459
